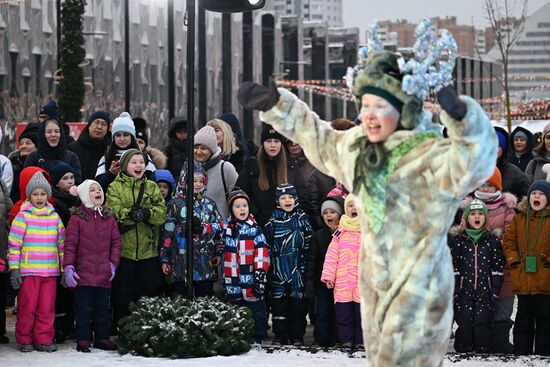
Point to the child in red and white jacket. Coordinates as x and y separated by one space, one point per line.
35 256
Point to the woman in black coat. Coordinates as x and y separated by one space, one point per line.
52 146
261 175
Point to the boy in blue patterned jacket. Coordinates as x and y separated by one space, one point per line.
207 242
288 233
246 261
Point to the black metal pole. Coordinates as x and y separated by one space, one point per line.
58 31
171 66
127 55
248 64
226 63
191 9
202 88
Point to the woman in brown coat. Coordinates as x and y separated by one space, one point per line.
526 248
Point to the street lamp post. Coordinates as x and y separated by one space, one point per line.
224 6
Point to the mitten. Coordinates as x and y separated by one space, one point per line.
197 225
71 277
15 279
260 281
254 96
139 214
449 101
113 271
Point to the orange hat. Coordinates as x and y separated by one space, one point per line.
496 179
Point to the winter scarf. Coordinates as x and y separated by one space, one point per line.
45 151
475 234
349 223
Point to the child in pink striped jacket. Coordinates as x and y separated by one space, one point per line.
340 271
35 253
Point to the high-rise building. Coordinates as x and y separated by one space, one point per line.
529 57
329 11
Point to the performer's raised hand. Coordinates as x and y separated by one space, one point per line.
254 96
449 101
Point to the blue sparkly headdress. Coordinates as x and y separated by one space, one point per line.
433 63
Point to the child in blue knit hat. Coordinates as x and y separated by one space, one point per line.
527 250
288 233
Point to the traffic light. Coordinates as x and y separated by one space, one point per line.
231 6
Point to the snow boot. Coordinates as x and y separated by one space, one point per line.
48 347
84 346
105 344
501 338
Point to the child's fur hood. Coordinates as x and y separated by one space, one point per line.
157 156
77 210
458 230
523 205
509 199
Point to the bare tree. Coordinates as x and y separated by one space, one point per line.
507 29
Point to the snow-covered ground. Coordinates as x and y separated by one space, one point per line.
69 357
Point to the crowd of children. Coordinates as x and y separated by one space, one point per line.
68 245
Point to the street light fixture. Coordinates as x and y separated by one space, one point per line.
231 6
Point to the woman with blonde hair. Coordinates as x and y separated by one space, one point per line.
227 143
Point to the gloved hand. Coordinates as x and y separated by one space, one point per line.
15 279
254 96
310 289
71 277
449 101
260 281
2 265
113 271
197 225
139 214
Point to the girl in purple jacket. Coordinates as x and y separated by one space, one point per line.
92 254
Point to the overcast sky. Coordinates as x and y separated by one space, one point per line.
361 13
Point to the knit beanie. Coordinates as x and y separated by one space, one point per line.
546 130
38 181
141 129
124 123
268 132
285 189
475 204
235 194
58 169
496 179
83 192
50 110
522 135
333 202
127 155
30 132
207 136
99 115
502 140
541 185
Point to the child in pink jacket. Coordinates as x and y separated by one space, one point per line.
340 271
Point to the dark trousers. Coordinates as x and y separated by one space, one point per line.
474 317
348 322
289 318
324 332
92 304
134 279
200 289
259 315
3 298
64 313
532 324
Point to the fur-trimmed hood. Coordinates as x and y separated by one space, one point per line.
508 199
84 212
158 158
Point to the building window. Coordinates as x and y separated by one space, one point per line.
530 61
538 34
529 52
533 43
530 70
543 25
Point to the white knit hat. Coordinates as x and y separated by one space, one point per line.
83 192
124 123
207 136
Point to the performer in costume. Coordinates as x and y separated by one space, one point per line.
408 182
